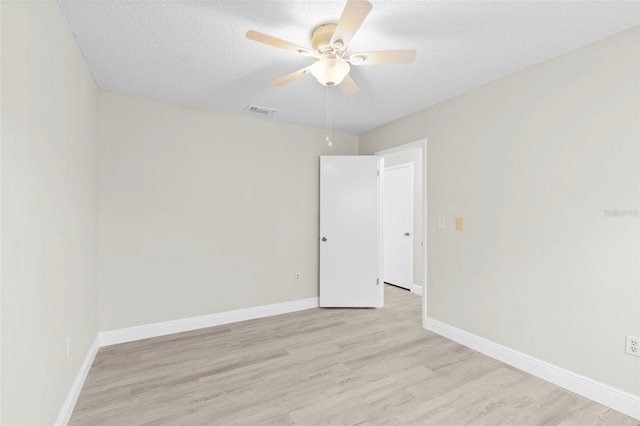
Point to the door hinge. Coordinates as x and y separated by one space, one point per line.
377 172
377 281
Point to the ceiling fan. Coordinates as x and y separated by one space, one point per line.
330 42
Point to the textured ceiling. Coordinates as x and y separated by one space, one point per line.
194 52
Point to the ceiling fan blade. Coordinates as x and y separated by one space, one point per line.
291 77
352 17
385 57
348 86
279 43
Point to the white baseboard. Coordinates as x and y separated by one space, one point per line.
609 396
70 402
417 289
187 324
113 337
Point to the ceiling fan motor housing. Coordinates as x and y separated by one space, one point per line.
321 38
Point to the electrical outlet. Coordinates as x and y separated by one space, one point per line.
633 346
297 276
68 346
441 222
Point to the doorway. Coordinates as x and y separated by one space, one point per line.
416 154
398 206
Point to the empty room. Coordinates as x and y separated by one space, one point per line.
340 212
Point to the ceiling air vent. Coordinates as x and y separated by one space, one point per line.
261 110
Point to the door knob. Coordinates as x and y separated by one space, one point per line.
324 239
406 234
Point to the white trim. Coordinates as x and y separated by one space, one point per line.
609 396
402 148
70 402
417 289
398 166
131 334
380 219
187 324
421 144
388 169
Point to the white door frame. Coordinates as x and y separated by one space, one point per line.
421 144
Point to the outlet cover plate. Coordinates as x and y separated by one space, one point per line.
632 346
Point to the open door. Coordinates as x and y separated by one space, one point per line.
398 225
349 232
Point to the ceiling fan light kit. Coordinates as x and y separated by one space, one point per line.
330 42
330 71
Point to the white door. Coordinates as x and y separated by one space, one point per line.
349 232
398 225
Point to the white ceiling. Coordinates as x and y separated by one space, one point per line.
195 53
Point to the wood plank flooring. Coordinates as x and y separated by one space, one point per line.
322 366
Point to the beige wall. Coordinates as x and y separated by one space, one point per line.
49 211
531 162
204 212
414 157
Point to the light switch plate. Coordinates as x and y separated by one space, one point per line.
441 222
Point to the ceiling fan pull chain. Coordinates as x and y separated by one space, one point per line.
328 98
330 116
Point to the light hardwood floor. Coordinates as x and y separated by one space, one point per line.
322 366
